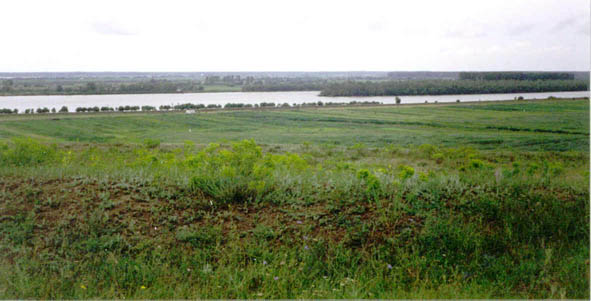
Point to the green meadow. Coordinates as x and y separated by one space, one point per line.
527 125
463 200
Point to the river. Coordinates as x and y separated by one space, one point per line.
73 101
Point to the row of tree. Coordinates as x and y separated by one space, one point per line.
330 103
286 84
187 106
516 76
8 111
43 110
256 105
445 87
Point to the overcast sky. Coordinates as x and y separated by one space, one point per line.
301 35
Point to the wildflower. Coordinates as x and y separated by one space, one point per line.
264 262
325 277
389 266
260 294
299 222
155 228
143 287
82 286
306 247
305 237
188 269
276 278
282 263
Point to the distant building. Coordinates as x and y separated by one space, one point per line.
190 111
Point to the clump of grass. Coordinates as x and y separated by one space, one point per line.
371 183
242 173
405 172
151 143
438 157
476 164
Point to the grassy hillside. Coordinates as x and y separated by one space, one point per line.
485 200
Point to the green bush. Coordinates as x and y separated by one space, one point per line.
405 172
242 173
476 164
371 182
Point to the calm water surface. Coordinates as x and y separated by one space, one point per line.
73 101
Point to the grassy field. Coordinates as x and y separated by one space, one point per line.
528 125
480 200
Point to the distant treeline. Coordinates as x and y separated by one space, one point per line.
137 83
517 76
269 86
445 87
414 75
60 87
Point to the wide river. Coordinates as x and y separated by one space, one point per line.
73 101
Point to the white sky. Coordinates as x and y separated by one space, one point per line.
283 35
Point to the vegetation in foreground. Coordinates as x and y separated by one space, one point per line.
307 220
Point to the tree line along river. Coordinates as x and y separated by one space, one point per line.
21 103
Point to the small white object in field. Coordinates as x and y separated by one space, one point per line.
190 111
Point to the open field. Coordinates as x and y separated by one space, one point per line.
469 200
528 125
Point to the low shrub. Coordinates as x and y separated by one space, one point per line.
240 174
371 183
405 172
476 164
